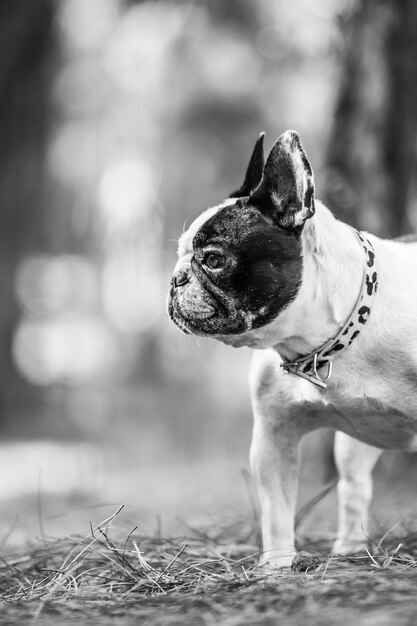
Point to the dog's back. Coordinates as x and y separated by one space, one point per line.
411 238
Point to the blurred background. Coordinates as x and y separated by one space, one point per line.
120 121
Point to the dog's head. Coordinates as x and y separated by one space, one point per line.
240 263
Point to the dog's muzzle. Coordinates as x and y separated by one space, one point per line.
196 305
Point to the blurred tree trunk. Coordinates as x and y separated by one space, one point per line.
372 150
25 60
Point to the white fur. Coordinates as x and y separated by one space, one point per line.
371 397
185 243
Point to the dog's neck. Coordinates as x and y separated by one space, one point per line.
333 266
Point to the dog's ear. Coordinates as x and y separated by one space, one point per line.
254 172
286 192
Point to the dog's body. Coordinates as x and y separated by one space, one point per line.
371 395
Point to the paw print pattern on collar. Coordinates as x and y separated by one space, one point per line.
310 366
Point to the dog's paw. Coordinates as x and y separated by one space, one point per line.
275 561
346 547
304 561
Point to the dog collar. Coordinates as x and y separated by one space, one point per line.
308 367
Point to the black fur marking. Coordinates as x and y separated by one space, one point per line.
264 268
254 172
309 198
363 314
278 195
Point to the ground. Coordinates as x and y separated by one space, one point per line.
207 576
201 571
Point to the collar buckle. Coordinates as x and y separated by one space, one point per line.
306 367
329 370
315 378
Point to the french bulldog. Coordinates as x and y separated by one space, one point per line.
332 316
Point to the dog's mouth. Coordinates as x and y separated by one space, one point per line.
203 310
194 324
188 323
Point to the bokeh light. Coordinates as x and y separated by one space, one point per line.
132 293
86 24
65 349
126 192
47 284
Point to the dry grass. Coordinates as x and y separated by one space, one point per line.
207 577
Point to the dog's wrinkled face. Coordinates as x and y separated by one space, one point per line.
240 264
239 272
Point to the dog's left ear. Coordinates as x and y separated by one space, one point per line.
254 172
286 192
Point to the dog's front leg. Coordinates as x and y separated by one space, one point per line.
274 464
280 404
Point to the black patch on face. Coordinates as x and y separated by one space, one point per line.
264 264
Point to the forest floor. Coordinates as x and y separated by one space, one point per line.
207 576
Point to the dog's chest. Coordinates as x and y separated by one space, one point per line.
375 423
383 413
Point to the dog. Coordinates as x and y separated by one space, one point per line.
331 313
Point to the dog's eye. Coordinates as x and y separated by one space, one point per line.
214 261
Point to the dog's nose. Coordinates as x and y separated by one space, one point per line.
181 278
